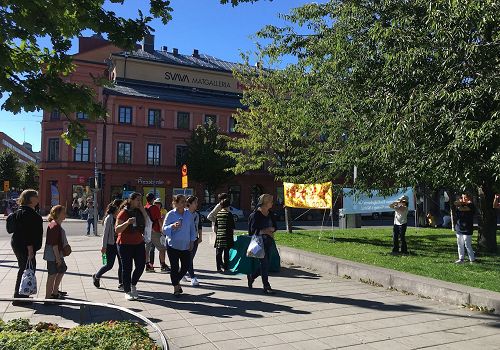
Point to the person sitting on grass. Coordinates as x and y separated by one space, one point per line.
465 211
400 221
53 253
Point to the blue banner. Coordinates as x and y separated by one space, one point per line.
362 203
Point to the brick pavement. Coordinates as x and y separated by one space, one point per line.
309 311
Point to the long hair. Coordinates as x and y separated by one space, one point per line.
126 203
55 212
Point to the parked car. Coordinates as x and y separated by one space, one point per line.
237 213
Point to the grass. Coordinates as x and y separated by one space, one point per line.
20 334
432 253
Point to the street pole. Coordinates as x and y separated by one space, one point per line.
95 191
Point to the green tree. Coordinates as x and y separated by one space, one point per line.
207 161
34 76
9 167
411 91
29 176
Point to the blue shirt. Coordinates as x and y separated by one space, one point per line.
179 238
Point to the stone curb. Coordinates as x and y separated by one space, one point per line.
448 292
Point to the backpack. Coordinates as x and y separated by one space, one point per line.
11 222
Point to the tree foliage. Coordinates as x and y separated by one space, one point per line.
29 176
409 92
206 159
9 168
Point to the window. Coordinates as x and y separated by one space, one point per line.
154 117
210 118
55 115
234 196
125 115
232 124
183 120
153 155
124 153
180 155
209 197
82 151
82 115
53 150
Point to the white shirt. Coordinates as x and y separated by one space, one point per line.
400 215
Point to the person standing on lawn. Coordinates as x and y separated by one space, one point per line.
400 222
180 232
53 253
224 240
464 226
155 216
27 237
192 205
109 247
130 224
262 222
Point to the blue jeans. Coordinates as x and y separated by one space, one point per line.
129 253
111 255
263 268
193 254
90 222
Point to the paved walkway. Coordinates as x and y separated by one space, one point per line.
309 312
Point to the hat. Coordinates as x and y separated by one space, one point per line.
157 200
150 196
403 199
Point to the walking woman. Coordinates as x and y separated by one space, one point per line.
192 205
181 234
130 224
109 245
53 253
262 222
224 239
27 237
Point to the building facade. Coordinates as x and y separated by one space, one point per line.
24 151
157 99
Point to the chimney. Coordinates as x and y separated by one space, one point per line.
175 51
148 43
196 53
164 48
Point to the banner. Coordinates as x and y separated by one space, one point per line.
312 196
363 203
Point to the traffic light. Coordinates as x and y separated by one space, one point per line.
100 180
91 182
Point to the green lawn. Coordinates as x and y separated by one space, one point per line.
432 253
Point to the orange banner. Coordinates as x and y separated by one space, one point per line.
311 196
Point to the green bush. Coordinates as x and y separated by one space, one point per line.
20 335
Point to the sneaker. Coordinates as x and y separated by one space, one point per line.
250 282
165 268
96 281
473 261
150 268
129 296
459 261
133 291
120 286
269 291
194 282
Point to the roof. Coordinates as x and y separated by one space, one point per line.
202 61
171 93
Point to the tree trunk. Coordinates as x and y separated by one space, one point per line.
487 239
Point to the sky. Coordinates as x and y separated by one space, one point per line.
218 30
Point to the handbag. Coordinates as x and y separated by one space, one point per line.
147 230
66 250
256 247
28 281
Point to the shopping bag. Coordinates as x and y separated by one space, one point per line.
147 230
256 247
28 280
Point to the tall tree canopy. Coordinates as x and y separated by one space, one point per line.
34 76
9 168
410 91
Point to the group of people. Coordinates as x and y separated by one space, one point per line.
464 224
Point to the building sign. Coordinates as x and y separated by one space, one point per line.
175 75
362 203
314 196
141 181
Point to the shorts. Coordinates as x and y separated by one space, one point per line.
155 241
52 267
